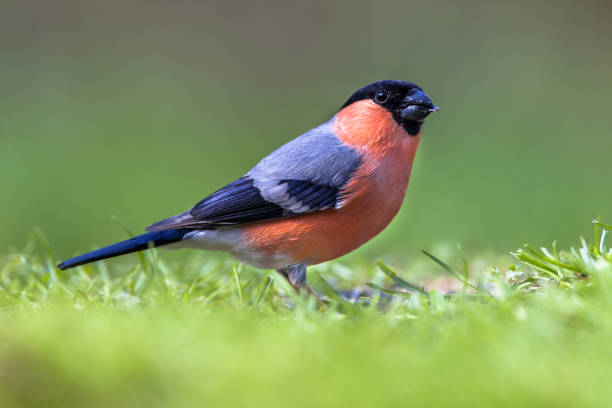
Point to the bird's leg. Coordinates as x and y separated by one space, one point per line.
296 275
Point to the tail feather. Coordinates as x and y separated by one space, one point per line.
138 243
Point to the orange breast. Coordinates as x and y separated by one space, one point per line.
374 194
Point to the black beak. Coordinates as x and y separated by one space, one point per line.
417 107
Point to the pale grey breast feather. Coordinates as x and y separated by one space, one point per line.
317 157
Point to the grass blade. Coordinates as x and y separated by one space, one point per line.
390 292
454 273
399 281
266 285
237 280
602 225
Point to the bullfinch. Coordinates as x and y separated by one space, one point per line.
316 198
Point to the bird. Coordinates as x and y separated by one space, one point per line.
314 199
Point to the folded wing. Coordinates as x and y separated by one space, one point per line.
305 175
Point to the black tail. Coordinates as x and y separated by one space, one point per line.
155 238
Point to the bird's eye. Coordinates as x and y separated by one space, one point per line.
381 96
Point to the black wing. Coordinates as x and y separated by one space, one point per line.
237 202
242 202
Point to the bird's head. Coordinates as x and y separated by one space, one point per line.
406 102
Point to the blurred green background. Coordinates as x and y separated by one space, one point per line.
138 109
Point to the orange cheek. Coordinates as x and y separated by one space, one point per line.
369 127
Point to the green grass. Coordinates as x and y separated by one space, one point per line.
206 332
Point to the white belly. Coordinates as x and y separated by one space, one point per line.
230 240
